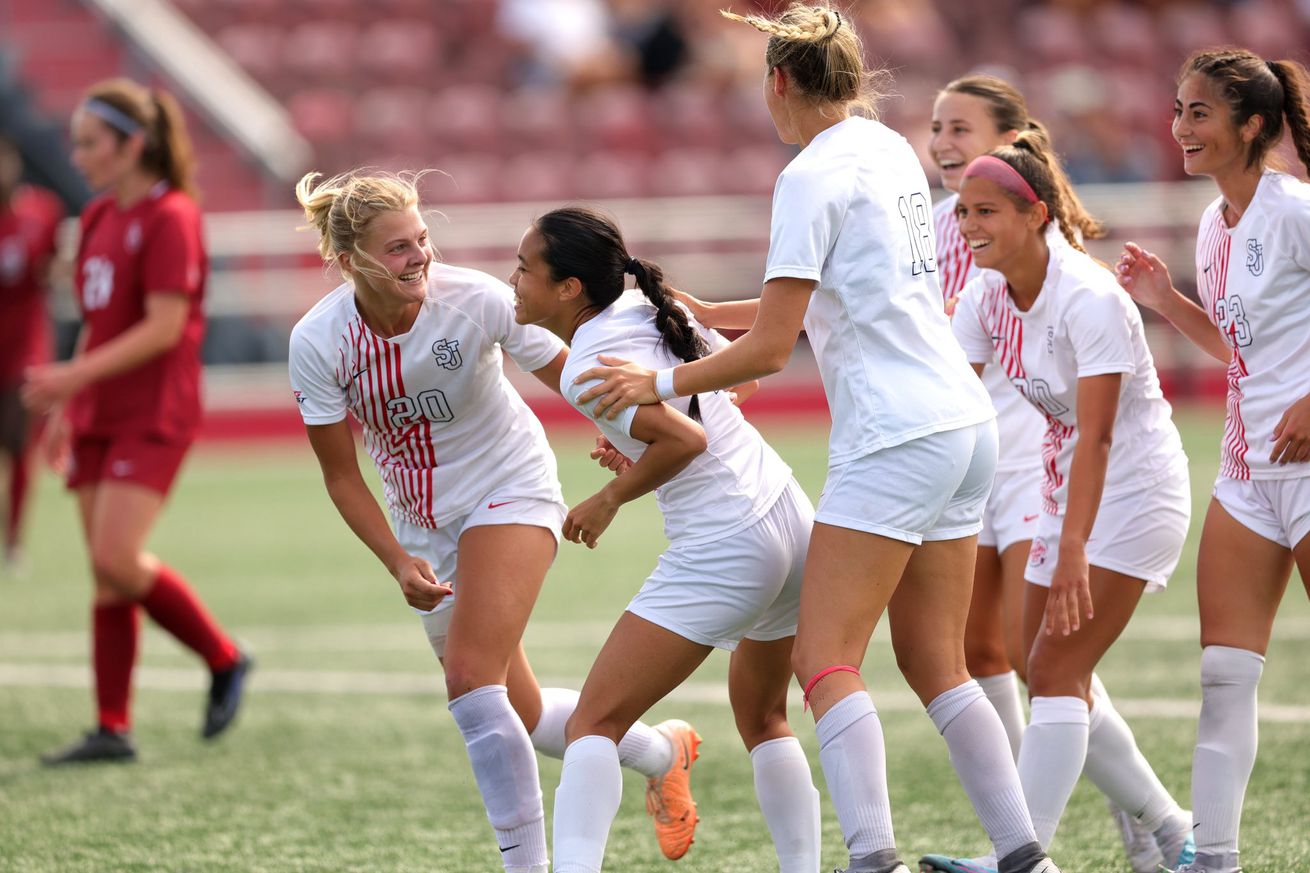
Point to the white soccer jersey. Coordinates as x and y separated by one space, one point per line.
725 489
1259 298
1082 324
1019 425
852 213
442 424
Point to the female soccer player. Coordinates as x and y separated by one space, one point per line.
1253 276
132 395
851 256
972 116
29 221
1115 495
737 522
411 348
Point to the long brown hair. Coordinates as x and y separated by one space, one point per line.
167 153
1256 87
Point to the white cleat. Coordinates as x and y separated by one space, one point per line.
1139 844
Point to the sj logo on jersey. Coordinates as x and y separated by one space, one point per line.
1255 257
447 353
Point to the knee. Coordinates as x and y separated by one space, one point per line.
931 672
118 571
465 674
1048 677
985 657
760 727
585 722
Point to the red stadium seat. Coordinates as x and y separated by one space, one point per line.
400 49
688 171
608 174
544 176
468 117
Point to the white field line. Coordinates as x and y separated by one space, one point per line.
374 682
541 635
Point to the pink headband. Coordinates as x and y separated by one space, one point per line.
993 169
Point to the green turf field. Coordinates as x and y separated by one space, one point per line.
345 758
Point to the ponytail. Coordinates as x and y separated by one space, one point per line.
1296 104
1034 158
168 152
584 243
1253 87
128 108
676 330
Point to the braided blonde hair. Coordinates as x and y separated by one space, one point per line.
342 207
821 52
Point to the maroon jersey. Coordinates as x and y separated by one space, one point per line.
150 247
28 226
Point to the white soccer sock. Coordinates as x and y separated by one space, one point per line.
1003 692
977 743
506 772
642 748
854 763
1117 767
789 801
590 789
1226 740
1054 747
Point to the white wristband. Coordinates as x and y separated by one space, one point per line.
664 384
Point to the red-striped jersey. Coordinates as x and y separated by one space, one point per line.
29 224
443 426
1082 324
1020 427
153 246
1254 283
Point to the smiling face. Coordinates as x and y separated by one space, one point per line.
996 230
101 155
396 241
1203 127
962 129
537 297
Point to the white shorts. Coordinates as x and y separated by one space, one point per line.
1276 509
1140 534
745 585
440 546
930 488
1013 509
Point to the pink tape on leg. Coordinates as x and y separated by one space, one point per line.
828 671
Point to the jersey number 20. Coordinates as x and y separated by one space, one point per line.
918 224
431 404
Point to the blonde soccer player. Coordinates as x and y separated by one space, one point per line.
971 116
411 349
1116 500
851 258
738 526
1253 278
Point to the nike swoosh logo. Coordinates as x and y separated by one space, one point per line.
358 374
1028 518
502 503
686 758
504 849
1207 268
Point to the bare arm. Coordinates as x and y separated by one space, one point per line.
160 330
725 315
549 375
1070 599
334 446
673 441
761 351
1146 279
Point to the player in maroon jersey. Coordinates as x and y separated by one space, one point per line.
29 220
125 409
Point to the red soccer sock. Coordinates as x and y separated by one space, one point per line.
116 628
19 478
177 609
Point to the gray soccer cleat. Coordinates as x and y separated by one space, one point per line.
98 746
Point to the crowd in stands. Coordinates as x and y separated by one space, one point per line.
543 99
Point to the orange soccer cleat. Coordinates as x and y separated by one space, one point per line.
668 797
